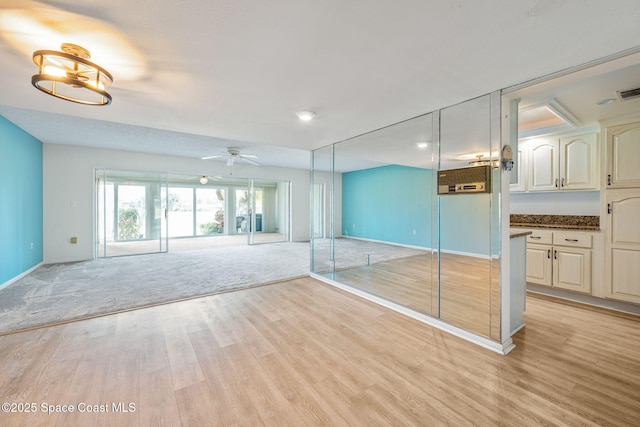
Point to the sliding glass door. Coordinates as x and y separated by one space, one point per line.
138 212
268 211
130 212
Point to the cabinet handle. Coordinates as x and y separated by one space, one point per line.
562 182
609 179
535 237
608 208
571 240
555 254
549 254
556 182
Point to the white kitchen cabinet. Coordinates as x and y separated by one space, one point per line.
543 165
578 162
567 163
622 247
539 264
560 259
623 155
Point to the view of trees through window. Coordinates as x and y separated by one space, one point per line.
136 210
196 211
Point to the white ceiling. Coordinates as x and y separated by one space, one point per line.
223 73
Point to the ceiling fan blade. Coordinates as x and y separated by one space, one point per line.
230 161
210 157
253 156
250 161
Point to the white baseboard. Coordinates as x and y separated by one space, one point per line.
501 348
421 248
20 276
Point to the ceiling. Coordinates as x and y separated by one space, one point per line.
192 78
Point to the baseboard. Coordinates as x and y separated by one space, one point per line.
500 348
608 304
421 248
21 275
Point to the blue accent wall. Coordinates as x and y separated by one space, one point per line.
388 203
470 223
20 201
465 223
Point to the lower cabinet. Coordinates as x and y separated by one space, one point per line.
561 259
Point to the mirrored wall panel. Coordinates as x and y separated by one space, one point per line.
383 190
386 221
322 202
469 189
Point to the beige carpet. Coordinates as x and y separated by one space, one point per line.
63 292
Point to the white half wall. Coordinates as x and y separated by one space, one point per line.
69 192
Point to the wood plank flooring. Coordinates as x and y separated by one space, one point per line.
469 294
304 353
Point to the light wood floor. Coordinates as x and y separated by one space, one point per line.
469 294
303 353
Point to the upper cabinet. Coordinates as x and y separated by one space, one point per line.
543 165
578 162
562 163
623 153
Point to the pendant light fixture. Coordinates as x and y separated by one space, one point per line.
70 75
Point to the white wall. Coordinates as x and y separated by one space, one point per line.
556 203
69 192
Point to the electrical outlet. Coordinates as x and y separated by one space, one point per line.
74 240
31 246
414 232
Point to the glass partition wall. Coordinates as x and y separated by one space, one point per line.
390 234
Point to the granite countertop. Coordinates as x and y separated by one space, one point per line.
566 222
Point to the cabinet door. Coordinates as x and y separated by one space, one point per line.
623 152
622 260
572 269
543 165
539 264
578 162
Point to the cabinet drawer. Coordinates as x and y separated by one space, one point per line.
569 238
540 236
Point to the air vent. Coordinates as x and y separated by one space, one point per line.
629 94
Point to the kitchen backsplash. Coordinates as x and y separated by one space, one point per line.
572 222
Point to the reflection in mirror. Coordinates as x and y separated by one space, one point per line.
383 246
268 215
321 212
466 221
380 226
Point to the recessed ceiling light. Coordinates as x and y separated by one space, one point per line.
422 144
305 115
605 101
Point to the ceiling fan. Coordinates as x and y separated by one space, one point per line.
232 154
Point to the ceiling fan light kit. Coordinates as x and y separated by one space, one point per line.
69 75
305 115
